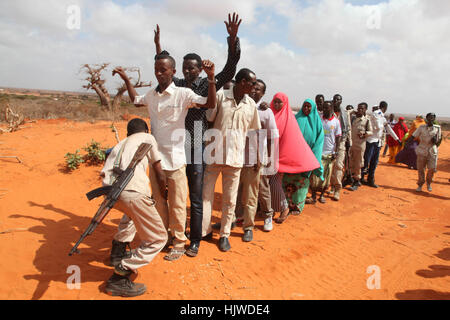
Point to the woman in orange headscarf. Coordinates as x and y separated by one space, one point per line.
400 129
408 154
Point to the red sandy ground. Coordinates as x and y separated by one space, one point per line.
322 254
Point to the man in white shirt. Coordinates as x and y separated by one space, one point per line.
269 153
374 144
233 117
254 183
344 146
168 106
332 136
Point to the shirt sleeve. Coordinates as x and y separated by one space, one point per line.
191 97
369 129
140 100
109 165
255 124
417 133
390 131
338 131
229 70
272 129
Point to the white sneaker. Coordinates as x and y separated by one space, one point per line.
268 225
429 188
419 189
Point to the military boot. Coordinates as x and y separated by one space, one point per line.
118 252
120 284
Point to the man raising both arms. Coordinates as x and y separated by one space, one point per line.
196 122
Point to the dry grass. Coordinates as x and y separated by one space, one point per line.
57 106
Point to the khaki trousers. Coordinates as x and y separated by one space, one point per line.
230 185
423 162
247 198
264 196
357 160
172 211
318 185
338 169
141 217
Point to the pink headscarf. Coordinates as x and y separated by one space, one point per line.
295 156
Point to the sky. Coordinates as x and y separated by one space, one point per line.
365 50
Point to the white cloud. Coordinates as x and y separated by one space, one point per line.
329 48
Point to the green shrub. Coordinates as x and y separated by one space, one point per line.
95 154
73 160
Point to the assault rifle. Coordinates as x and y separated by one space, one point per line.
112 193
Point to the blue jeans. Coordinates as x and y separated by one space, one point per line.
194 173
370 161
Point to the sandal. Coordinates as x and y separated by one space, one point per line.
174 254
322 199
284 215
295 213
310 200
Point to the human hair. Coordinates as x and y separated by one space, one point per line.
320 96
383 105
166 55
135 126
194 56
328 102
243 74
364 104
263 83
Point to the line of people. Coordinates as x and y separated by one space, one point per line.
204 127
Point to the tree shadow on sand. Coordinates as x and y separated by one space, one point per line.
52 259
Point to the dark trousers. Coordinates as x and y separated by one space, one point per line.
371 156
194 173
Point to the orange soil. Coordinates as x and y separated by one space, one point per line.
322 254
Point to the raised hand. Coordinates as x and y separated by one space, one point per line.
233 25
157 40
264 106
209 68
121 72
157 34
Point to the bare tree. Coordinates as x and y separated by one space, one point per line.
97 83
14 120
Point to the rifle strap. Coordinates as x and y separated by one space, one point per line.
117 162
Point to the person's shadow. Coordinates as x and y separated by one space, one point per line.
52 259
433 271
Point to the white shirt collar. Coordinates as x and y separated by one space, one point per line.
170 89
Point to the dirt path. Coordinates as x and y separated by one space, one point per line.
323 254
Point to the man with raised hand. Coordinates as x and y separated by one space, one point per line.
196 122
168 106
